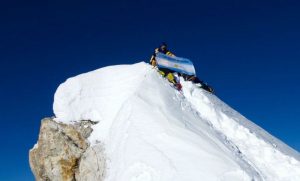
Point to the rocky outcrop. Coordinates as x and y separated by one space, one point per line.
92 164
63 153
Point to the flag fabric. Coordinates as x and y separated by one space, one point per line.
177 64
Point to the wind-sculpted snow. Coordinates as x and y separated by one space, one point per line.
270 157
151 132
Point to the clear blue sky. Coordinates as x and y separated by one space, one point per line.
248 50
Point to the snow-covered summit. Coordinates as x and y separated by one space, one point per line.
152 132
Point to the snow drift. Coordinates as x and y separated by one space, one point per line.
152 132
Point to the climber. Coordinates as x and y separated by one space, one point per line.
169 74
163 48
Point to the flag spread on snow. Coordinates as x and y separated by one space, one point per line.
177 64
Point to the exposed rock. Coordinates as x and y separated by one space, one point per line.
59 150
92 164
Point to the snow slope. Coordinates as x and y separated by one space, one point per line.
151 132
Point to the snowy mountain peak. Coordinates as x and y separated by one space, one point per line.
152 132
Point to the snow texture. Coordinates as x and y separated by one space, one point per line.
152 132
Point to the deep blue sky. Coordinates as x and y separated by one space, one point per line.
248 50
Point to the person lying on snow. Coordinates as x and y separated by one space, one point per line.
197 82
171 75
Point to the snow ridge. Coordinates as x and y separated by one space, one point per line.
263 151
240 157
153 132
